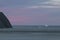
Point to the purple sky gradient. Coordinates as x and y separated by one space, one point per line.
32 12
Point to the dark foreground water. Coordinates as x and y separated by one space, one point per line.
30 35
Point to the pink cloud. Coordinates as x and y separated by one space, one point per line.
19 19
28 19
14 16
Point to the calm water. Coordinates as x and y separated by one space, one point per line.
29 35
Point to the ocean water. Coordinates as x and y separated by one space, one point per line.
30 35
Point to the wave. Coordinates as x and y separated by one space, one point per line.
30 30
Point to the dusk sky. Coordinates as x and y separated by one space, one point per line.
31 12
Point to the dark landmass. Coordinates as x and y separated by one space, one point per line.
4 22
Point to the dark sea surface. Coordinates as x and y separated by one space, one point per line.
31 35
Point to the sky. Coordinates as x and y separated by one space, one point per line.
31 12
